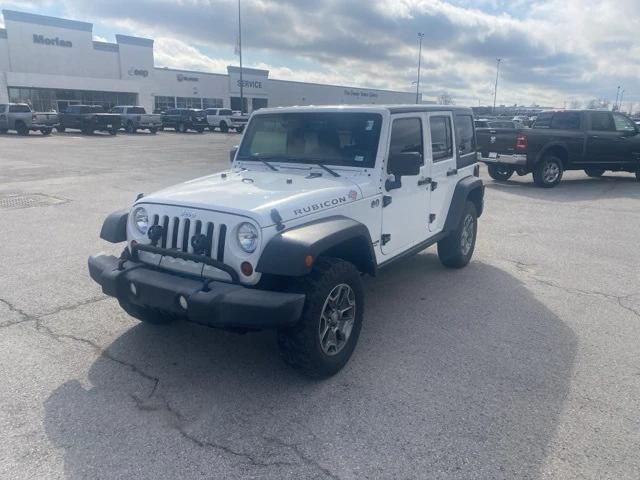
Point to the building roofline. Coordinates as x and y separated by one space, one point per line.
254 71
46 20
138 41
106 46
195 72
339 86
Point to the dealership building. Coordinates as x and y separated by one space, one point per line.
53 62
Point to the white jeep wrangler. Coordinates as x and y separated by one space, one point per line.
315 197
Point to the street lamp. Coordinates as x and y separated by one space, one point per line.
240 52
495 90
420 37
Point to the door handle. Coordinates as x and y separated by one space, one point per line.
424 181
453 171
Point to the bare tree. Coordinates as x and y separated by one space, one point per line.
575 104
445 99
598 104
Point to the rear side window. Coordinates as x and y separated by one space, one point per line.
543 120
464 134
566 121
19 109
225 112
136 110
602 121
441 138
406 136
623 124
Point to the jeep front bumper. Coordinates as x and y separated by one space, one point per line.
220 304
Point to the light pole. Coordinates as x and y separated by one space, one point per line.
240 52
621 97
495 90
420 37
615 105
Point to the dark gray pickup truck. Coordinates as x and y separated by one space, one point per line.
88 119
595 141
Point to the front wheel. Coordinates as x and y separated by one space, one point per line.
153 131
594 172
456 250
548 172
182 128
500 172
45 131
324 339
113 131
22 129
130 127
224 128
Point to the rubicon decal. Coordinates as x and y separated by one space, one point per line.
316 207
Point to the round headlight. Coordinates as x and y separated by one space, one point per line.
141 220
247 237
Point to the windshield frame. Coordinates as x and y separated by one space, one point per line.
306 159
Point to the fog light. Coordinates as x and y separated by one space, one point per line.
132 287
247 269
183 302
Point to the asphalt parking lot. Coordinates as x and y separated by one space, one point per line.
525 364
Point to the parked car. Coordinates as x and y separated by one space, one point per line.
134 118
241 120
88 119
224 119
184 119
20 117
595 141
281 240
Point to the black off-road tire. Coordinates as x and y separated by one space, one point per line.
594 172
130 127
147 315
300 345
22 129
540 176
224 128
181 127
239 129
45 131
501 173
453 250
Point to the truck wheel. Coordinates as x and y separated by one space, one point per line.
114 131
224 128
322 342
153 131
147 315
239 129
594 172
130 127
60 129
45 131
500 172
200 129
22 129
456 250
182 128
548 172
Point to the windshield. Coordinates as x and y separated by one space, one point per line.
334 138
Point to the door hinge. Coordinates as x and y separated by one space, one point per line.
434 185
386 200
432 217
386 238
424 181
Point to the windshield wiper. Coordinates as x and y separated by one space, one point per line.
332 172
262 159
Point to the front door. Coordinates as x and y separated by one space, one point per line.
442 166
628 144
405 219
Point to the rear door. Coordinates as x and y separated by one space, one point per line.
441 166
4 125
405 220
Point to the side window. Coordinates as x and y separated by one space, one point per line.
623 124
441 141
566 121
19 109
3 108
543 120
406 136
602 121
464 134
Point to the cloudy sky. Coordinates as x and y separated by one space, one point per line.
554 52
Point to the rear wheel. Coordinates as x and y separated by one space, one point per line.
153 130
594 172
114 131
131 127
500 172
224 128
548 172
322 342
182 128
45 131
22 129
239 129
456 250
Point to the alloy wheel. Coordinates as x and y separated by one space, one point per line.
337 319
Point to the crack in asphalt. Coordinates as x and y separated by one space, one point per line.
27 317
304 457
24 316
619 299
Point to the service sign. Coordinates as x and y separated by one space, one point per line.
251 83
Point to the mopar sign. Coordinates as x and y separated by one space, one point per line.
57 42
186 78
136 72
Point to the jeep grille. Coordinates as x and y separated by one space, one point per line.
177 233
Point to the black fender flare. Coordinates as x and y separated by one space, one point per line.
338 236
470 188
114 228
550 146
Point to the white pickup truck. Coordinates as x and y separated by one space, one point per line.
315 197
134 118
225 119
20 117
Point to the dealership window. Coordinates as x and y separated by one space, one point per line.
162 104
46 99
188 102
212 103
258 103
235 104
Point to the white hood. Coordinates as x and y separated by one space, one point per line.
256 193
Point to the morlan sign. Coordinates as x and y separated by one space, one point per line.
42 40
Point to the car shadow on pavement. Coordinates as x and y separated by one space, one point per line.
458 374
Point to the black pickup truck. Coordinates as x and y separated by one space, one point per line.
595 141
88 119
183 119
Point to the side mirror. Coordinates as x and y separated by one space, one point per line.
405 164
232 153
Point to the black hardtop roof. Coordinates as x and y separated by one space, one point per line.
428 108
